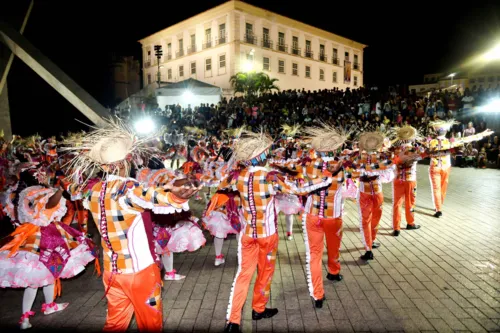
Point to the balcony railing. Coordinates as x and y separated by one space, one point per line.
296 51
282 47
221 40
308 54
250 39
355 66
267 43
207 44
169 56
179 53
322 57
335 61
191 49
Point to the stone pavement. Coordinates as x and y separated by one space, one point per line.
443 277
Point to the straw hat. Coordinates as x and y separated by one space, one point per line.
107 149
443 124
405 134
252 147
325 138
371 141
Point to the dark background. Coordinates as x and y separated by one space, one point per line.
405 39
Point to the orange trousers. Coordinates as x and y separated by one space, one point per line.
317 229
407 191
253 253
139 294
370 210
75 212
439 185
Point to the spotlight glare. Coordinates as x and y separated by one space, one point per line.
187 95
492 106
144 126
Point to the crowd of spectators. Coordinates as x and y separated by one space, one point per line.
363 108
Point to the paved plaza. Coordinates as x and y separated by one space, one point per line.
441 278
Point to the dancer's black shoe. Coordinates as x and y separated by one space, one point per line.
375 245
318 304
438 214
232 328
412 227
367 256
396 233
334 277
267 313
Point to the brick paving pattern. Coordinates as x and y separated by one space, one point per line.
441 278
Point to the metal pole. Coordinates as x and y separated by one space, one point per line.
11 57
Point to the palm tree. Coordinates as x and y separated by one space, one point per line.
267 84
252 84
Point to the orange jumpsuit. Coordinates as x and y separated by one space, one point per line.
258 241
439 170
322 219
370 196
404 188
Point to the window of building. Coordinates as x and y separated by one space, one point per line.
335 56
208 35
265 64
295 44
308 45
308 71
334 77
322 74
322 56
169 74
281 38
249 56
149 55
149 78
491 79
193 67
208 64
355 81
222 61
222 33
281 66
481 79
169 50
295 69
347 56
265 34
471 80
181 47
356 64
249 29
193 42
181 70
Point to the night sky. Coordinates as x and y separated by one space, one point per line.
405 40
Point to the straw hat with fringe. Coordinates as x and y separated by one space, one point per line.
371 141
108 149
252 148
405 134
326 138
443 125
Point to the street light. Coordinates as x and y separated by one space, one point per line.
452 75
493 54
144 125
158 54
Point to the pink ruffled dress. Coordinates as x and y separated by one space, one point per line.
48 249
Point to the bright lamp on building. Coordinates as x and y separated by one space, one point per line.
187 95
492 106
248 66
144 125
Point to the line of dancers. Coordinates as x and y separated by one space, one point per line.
144 220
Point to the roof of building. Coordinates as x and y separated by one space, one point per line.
189 83
250 9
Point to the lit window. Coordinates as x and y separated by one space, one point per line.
265 63
169 74
295 69
222 61
208 64
308 71
334 77
193 67
322 74
281 66
181 71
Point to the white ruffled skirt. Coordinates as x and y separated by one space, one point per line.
288 204
218 224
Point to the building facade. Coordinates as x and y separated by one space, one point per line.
126 77
237 37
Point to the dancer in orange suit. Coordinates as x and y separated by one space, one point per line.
404 187
440 149
373 168
322 217
258 240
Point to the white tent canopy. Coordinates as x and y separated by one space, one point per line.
188 92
